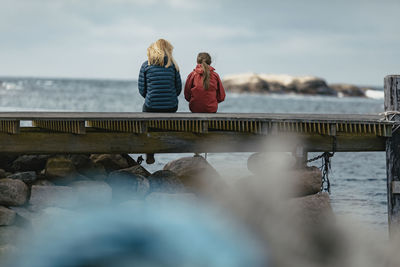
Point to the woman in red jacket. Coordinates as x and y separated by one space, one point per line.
203 88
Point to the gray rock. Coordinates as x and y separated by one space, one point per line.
6 161
165 181
196 174
3 173
126 186
348 90
312 210
138 169
261 163
26 163
53 196
113 162
24 213
7 216
269 83
60 170
26 177
13 192
80 161
43 182
9 235
92 192
306 181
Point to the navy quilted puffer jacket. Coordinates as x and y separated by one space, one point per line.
160 86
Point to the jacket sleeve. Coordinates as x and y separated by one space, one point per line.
178 82
220 91
188 87
142 80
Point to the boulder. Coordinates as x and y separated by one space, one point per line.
60 170
307 181
246 83
348 90
126 185
26 177
196 174
3 173
6 161
43 182
13 192
270 83
113 162
24 213
138 169
26 163
259 163
53 196
312 210
165 181
92 192
7 216
80 161
9 235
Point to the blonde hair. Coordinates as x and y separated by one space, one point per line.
205 60
158 51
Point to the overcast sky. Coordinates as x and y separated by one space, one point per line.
350 41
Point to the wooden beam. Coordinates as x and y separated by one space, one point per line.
36 141
392 103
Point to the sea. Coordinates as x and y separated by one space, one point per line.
358 180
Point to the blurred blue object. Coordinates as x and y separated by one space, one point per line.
141 234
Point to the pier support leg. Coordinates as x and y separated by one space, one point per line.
300 155
392 103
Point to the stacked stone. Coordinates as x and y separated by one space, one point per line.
33 185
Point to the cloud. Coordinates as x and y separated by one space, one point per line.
109 38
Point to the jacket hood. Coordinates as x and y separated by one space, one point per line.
199 69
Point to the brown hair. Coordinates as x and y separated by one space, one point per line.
158 50
205 60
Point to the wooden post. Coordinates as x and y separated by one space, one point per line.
300 155
392 103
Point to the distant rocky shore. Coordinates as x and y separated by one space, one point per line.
286 84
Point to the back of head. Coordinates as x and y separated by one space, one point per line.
204 59
158 51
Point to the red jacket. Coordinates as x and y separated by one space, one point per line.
201 100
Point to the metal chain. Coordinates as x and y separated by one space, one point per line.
326 166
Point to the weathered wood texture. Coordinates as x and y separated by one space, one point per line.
392 103
37 141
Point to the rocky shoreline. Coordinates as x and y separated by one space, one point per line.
286 84
33 185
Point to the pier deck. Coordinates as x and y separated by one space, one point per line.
88 132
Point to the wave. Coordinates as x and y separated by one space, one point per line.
374 94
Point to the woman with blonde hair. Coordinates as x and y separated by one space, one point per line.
159 81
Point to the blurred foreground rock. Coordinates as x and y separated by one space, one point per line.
7 216
313 209
53 196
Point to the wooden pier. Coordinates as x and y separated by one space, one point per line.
85 132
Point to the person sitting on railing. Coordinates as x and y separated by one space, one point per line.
203 88
159 81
